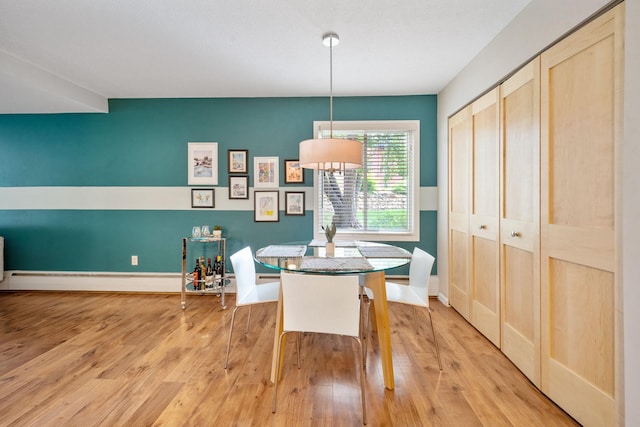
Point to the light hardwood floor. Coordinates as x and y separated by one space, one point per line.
89 359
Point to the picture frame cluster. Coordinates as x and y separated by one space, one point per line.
203 170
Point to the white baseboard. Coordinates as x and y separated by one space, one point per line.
443 299
17 280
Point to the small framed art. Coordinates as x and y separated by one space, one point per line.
238 161
265 172
294 203
266 205
203 163
203 198
293 173
239 187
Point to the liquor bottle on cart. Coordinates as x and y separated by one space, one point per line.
203 274
217 271
210 273
196 273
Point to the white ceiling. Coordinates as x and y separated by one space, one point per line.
72 55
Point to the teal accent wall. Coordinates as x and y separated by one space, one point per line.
143 142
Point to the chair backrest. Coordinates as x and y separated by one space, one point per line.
245 272
320 303
420 272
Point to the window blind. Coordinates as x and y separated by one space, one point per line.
378 197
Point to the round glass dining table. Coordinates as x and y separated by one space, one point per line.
370 259
352 257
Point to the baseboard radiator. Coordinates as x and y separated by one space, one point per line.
18 280
90 281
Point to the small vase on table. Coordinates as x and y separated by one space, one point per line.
329 232
330 248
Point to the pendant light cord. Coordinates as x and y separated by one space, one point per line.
331 87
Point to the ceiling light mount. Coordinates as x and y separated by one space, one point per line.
330 39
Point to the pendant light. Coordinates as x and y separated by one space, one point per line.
330 154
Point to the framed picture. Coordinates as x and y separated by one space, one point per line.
203 198
238 187
238 161
266 205
294 203
203 163
293 172
266 172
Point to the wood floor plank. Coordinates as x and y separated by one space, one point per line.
82 406
109 359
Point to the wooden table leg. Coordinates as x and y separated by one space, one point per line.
278 331
375 282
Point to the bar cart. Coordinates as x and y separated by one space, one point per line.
208 278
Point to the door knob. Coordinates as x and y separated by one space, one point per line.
515 234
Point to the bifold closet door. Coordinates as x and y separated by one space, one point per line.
459 167
581 101
520 219
484 219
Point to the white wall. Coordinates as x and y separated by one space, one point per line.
536 27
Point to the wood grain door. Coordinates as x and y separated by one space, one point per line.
520 219
581 81
484 216
459 167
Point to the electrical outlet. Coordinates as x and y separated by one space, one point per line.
134 259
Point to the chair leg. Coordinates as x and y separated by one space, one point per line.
248 319
363 397
233 318
361 304
435 340
298 340
275 386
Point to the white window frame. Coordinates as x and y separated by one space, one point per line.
401 125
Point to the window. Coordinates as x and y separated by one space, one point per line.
379 201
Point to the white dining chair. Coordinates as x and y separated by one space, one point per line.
321 304
248 292
416 293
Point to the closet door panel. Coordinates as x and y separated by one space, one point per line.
484 220
459 177
521 326
581 101
459 274
519 223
